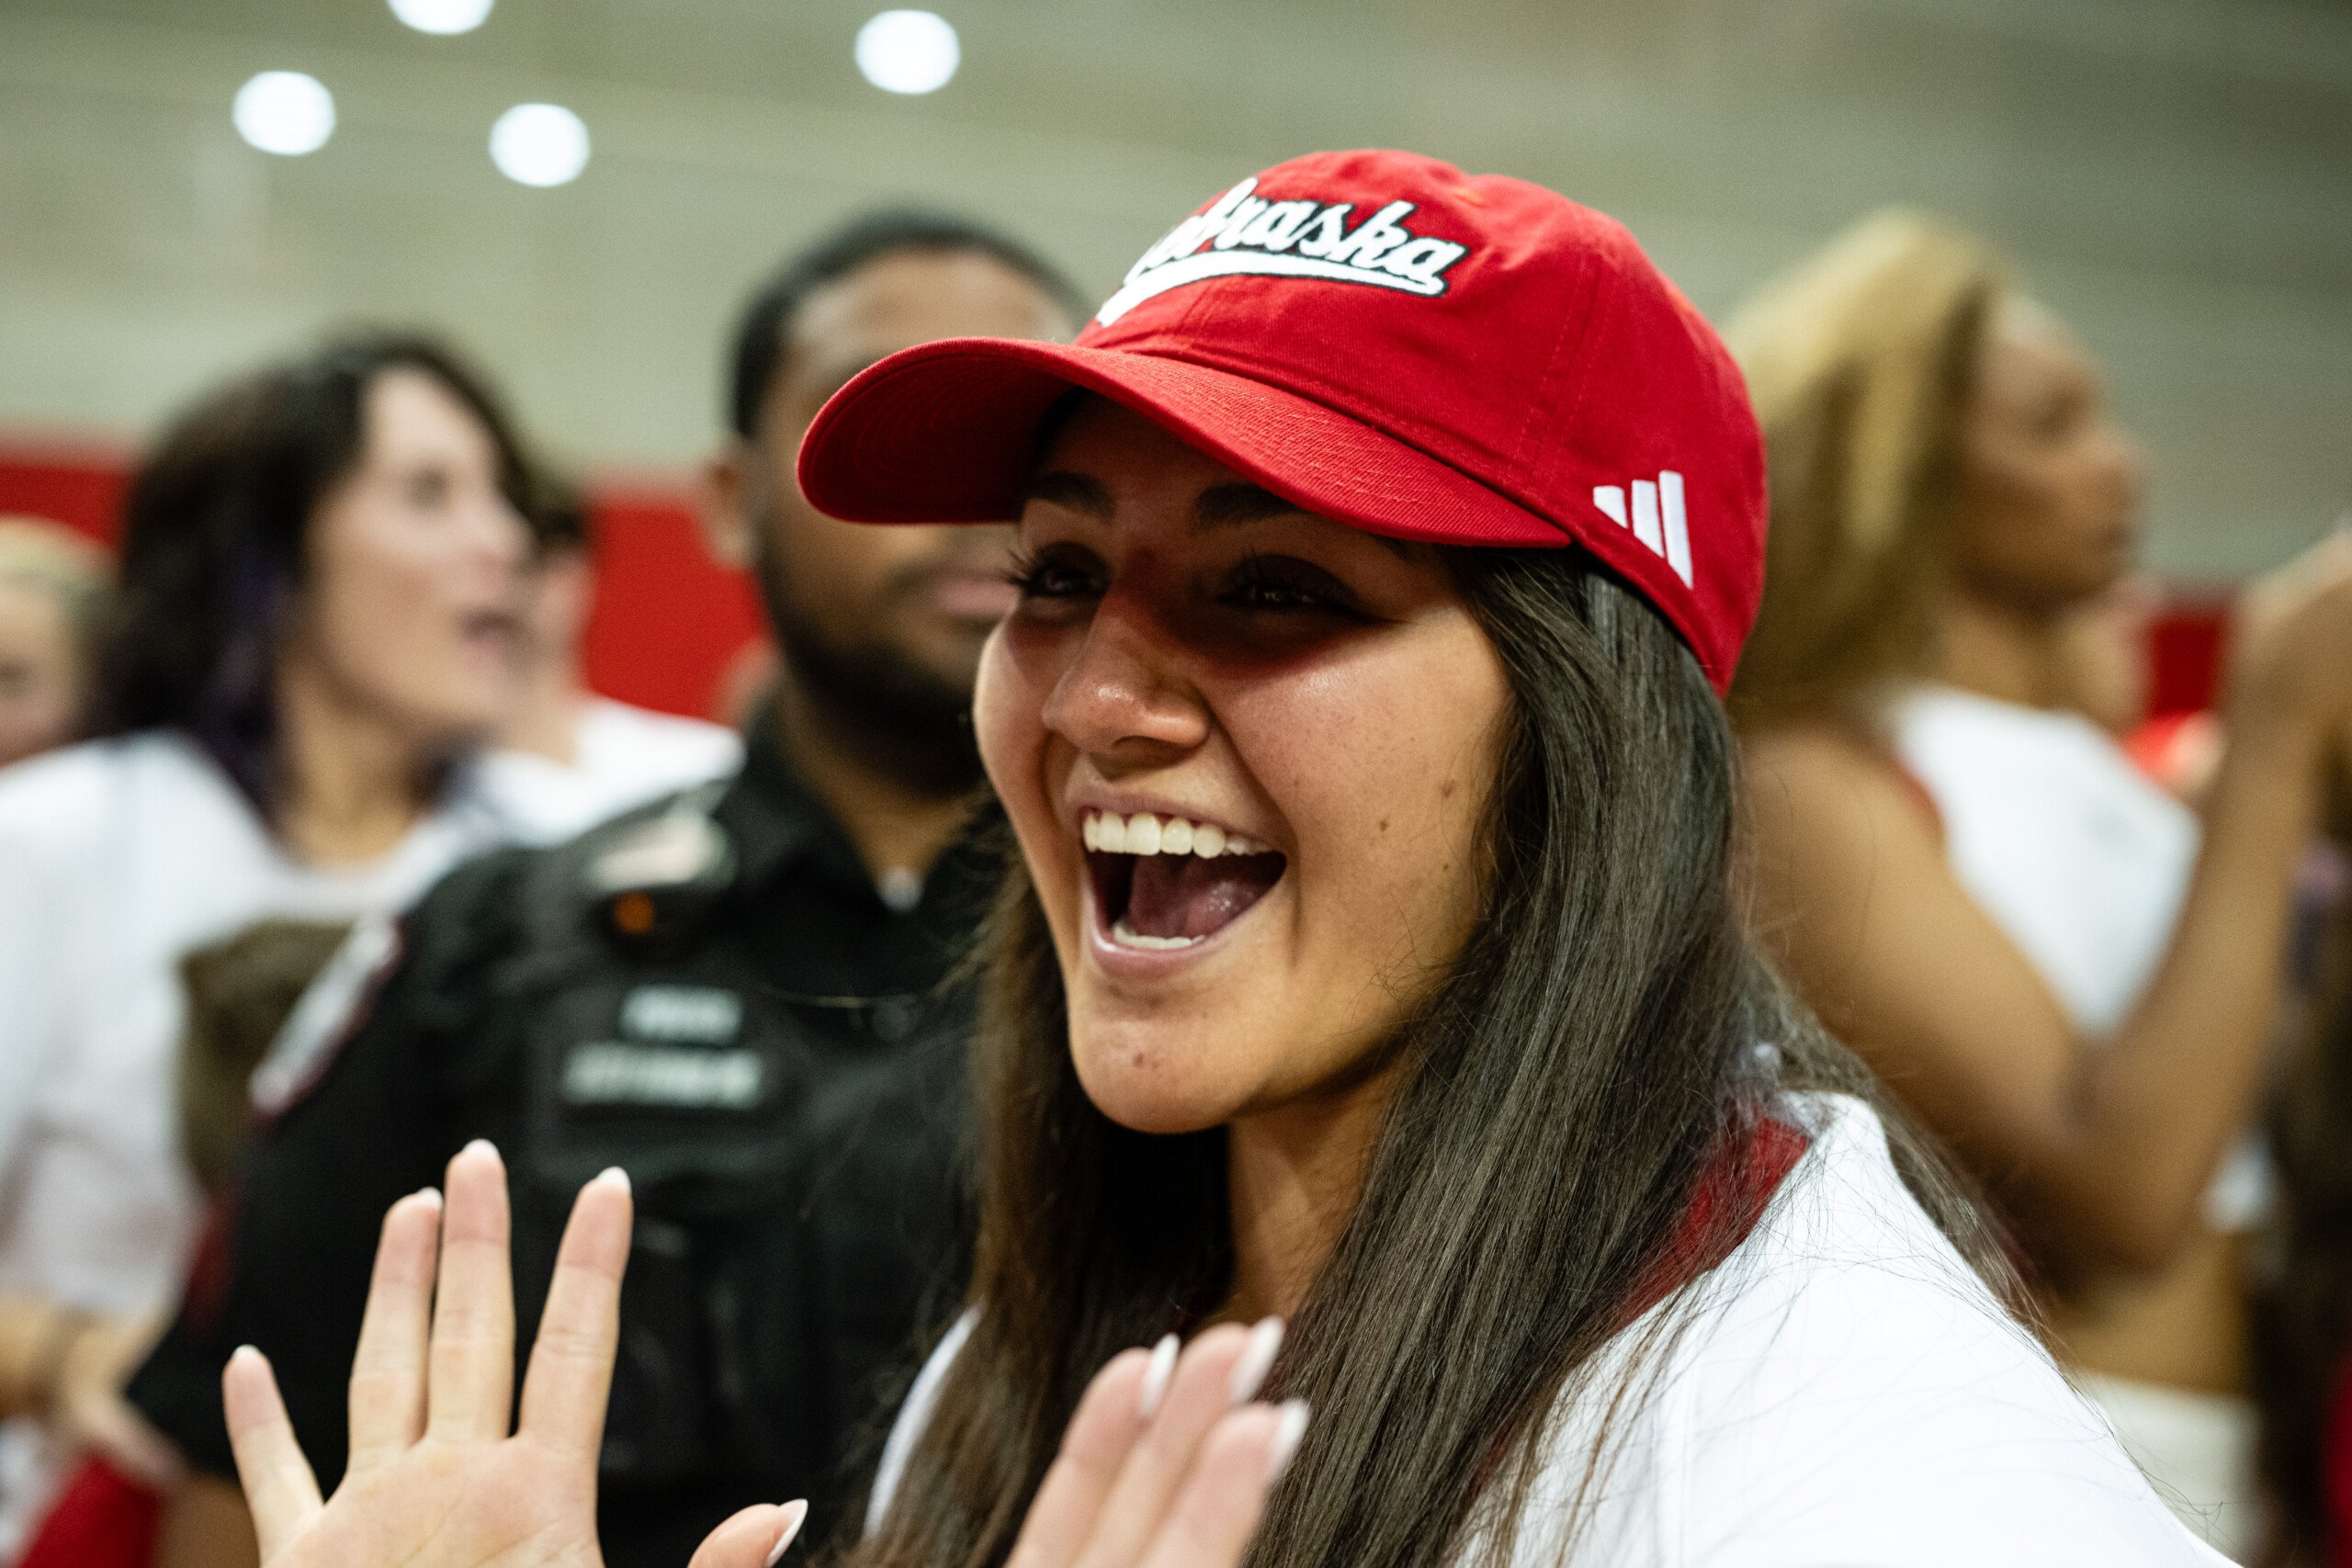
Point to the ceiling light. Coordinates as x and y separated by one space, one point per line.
442 16
285 112
539 144
908 52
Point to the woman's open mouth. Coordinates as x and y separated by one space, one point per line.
496 632
1164 882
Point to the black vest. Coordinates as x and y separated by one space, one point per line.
798 1160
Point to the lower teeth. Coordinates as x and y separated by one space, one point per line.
1127 936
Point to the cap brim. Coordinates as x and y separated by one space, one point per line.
948 432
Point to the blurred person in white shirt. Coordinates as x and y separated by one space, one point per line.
2070 977
565 752
323 574
54 588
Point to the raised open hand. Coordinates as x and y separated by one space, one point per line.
1167 1463
2290 642
1167 1460
435 1478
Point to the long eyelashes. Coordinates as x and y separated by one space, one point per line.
1040 577
1256 582
1264 594
1282 582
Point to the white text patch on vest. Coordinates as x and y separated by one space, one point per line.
617 1073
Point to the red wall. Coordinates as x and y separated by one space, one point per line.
80 488
671 623
2184 655
672 629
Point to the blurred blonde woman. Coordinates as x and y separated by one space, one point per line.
2069 977
53 592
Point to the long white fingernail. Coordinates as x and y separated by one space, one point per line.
481 1146
796 1514
1257 1360
1292 1427
613 1176
1156 1373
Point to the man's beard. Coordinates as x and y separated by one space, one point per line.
901 718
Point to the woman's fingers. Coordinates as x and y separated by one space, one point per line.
279 1487
387 1397
1220 1370
571 1361
1102 1433
753 1539
1216 1513
471 1378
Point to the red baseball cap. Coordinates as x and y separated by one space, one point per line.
1386 341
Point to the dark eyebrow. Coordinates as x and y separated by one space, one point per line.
1219 506
1079 492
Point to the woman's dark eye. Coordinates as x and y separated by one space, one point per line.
1275 595
2056 418
1281 585
1052 576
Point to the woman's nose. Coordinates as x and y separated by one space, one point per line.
1123 699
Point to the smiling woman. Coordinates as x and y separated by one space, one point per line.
1201 987
1592 1248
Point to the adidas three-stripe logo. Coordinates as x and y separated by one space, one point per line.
1657 519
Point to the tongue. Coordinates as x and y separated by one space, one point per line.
1187 896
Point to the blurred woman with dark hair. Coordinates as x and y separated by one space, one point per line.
2037 948
320 576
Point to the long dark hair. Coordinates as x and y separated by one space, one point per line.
1607 1032
2301 1339
215 540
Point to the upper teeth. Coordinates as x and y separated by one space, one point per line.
1145 834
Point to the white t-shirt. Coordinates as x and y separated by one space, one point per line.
1848 1394
2075 854
622 757
118 858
